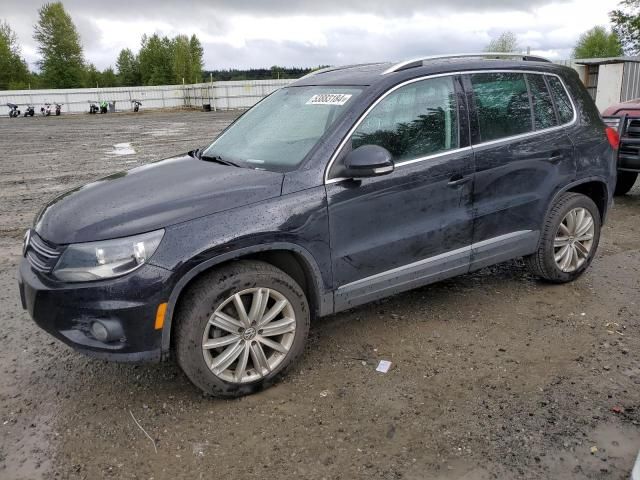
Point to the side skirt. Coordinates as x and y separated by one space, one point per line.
433 269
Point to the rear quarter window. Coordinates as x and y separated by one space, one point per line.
544 115
561 99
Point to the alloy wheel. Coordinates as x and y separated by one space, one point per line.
249 335
574 240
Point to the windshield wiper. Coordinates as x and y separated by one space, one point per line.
214 158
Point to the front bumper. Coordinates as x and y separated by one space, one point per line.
67 311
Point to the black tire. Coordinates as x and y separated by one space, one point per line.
198 304
542 263
625 182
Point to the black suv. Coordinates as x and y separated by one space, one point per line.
349 185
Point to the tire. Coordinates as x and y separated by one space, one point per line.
217 292
543 263
625 182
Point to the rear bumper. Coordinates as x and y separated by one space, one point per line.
67 311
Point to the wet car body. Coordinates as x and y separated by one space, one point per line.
346 241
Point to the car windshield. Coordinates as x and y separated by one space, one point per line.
278 132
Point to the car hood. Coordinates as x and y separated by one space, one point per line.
152 196
630 107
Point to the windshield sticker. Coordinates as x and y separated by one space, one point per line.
329 99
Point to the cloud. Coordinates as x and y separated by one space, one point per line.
259 33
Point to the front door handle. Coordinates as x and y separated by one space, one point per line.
458 180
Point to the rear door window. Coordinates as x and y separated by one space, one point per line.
544 115
561 99
502 105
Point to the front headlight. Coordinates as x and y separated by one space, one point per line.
82 262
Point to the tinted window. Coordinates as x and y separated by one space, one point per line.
502 103
416 120
561 99
544 116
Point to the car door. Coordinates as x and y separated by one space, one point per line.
522 154
412 226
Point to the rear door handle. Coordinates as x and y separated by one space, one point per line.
555 157
457 180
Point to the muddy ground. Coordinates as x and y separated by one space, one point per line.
495 375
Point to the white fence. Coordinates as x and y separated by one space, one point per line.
220 95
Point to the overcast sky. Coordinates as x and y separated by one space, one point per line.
261 33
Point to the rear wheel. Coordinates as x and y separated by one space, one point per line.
568 241
625 182
239 328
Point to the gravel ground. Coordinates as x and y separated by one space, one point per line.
495 375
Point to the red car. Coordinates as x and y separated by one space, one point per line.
625 117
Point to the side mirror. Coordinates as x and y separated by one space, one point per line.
368 161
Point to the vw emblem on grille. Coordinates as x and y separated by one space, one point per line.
27 240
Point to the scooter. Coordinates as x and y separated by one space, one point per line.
46 110
103 107
136 105
58 109
13 110
29 111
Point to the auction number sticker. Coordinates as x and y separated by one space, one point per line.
329 99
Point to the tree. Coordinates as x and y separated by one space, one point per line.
14 72
197 62
507 42
108 78
92 77
182 60
156 60
626 24
128 69
598 43
59 45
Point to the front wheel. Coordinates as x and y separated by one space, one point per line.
568 241
239 328
625 182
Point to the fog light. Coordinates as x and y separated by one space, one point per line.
99 331
106 330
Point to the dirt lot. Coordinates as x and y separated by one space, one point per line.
495 375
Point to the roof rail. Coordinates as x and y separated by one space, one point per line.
341 67
418 62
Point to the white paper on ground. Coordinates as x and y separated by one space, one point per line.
383 366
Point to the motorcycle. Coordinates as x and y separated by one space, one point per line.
104 106
58 109
13 110
46 110
29 111
93 108
136 105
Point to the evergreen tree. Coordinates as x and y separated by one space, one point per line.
128 69
14 73
92 77
108 78
598 43
59 45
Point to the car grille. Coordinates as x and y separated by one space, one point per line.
42 255
630 141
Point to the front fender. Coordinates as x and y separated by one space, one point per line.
324 296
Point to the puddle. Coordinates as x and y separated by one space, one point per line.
122 149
